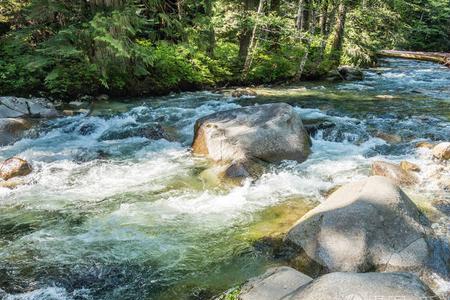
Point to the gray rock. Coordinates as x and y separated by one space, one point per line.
270 132
276 283
11 129
285 283
366 286
366 225
13 107
394 172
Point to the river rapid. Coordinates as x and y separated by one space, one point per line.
109 215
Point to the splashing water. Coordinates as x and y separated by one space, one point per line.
108 214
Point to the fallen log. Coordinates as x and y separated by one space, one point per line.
439 57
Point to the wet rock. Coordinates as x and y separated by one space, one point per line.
270 133
14 167
426 145
390 138
13 107
233 173
442 151
314 126
241 92
276 283
409 166
394 172
152 132
11 129
87 129
366 225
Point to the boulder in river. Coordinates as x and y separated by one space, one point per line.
394 172
366 225
285 283
11 129
442 151
13 107
14 167
269 132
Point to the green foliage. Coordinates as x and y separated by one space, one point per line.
69 48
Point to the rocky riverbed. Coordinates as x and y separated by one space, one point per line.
115 203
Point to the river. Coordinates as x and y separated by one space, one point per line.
108 215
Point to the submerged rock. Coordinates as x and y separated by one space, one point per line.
366 225
285 283
152 132
241 92
11 129
269 132
390 138
394 172
442 151
14 167
312 127
13 107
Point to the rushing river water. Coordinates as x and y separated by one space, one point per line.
108 215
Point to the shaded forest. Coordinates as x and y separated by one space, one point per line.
67 49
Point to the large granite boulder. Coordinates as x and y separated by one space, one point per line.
269 132
13 107
394 172
14 167
366 225
288 284
11 129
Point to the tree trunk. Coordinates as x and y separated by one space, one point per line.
246 34
300 14
311 30
323 18
253 42
211 36
338 33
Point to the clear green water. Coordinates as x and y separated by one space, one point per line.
130 218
